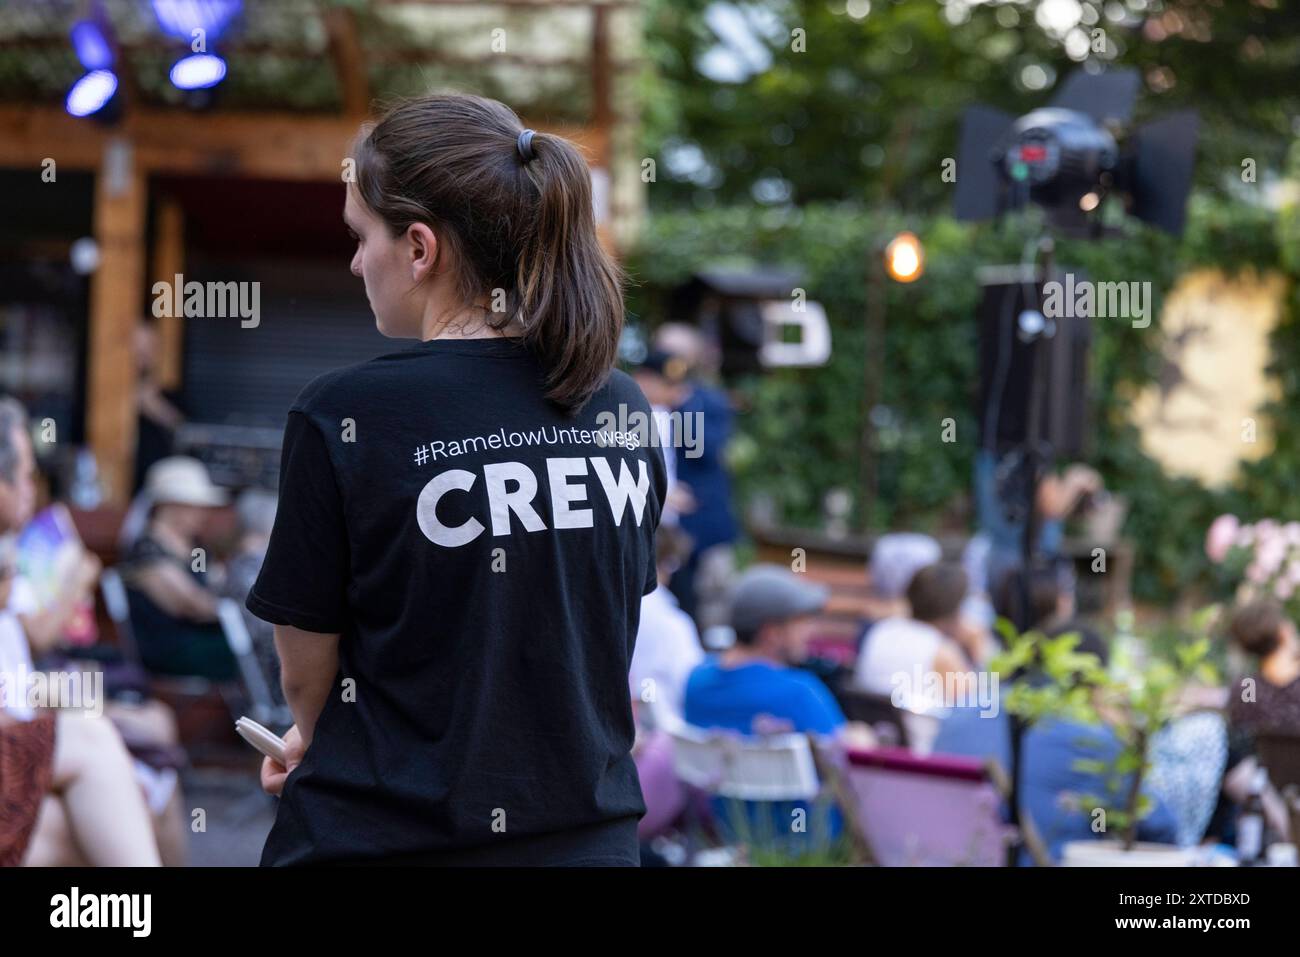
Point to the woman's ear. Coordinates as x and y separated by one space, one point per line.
424 248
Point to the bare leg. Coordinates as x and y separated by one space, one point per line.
107 813
169 827
52 843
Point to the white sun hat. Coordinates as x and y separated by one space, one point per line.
181 480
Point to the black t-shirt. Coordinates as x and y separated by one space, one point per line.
483 555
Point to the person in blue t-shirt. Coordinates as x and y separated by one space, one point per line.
753 688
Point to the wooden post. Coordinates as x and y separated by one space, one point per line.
349 61
115 304
168 262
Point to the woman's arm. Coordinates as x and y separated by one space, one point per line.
175 592
309 663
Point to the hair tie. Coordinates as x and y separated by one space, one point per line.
525 145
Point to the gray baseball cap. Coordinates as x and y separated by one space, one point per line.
770 593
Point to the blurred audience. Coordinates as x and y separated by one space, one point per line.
1265 702
661 378
754 686
933 639
67 787
1269 699
667 643
1058 761
702 582
895 558
173 606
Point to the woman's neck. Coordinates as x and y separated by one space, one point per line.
468 323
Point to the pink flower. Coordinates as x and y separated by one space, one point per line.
1221 536
1293 571
1283 588
1270 553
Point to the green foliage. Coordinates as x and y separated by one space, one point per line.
1055 681
872 105
800 429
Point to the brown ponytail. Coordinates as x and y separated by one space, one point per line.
520 222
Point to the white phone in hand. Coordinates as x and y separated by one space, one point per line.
266 741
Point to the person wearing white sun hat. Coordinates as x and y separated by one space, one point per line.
173 609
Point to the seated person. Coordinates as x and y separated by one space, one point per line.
1269 699
667 644
935 639
256 513
895 558
173 611
62 772
69 795
1053 781
754 688
1055 776
1265 702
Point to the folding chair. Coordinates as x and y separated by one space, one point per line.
766 769
262 706
877 711
186 695
927 811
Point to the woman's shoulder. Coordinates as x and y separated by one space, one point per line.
328 388
619 389
146 548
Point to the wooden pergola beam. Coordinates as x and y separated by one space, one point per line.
176 142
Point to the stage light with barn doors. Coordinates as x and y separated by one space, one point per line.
904 258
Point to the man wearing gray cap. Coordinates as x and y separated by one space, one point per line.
751 686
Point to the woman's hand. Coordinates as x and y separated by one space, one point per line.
86 576
273 772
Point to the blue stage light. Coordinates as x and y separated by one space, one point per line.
92 46
180 18
91 93
198 71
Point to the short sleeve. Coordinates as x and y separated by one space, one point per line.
303 581
659 480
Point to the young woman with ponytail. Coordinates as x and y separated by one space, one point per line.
466 526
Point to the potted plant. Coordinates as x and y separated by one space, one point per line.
1135 700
